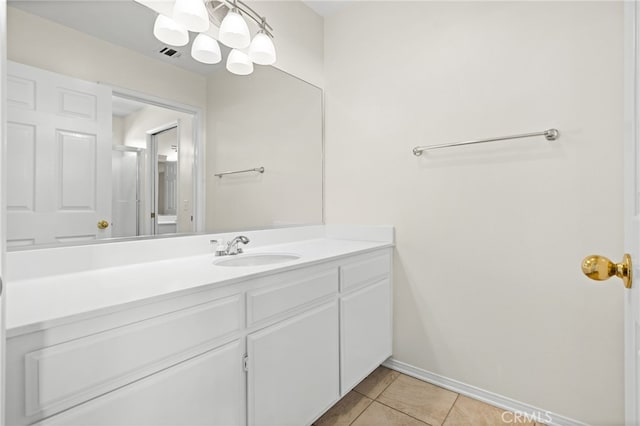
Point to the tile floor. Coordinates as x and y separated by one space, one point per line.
389 398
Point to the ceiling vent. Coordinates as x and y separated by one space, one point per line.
170 52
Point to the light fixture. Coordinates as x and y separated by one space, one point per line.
234 31
170 32
196 15
261 50
205 49
238 63
192 14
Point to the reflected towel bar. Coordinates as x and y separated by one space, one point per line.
550 135
257 169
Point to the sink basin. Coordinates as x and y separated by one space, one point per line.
258 259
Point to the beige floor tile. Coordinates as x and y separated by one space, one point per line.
379 415
344 411
467 411
419 399
376 382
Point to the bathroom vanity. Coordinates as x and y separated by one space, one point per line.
185 340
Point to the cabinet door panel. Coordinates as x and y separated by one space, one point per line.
293 368
205 390
365 332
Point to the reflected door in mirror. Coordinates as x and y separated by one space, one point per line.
126 169
165 147
59 143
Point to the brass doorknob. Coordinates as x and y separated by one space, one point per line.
103 224
600 268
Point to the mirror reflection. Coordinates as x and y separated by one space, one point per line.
109 138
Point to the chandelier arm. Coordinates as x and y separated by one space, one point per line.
251 13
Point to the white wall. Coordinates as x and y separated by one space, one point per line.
298 37
117 130
271 120
258 121
51 46
489 238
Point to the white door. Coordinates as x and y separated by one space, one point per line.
599 267
59 146
632 212
164 144
3 183
125 187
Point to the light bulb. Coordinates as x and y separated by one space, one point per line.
234 31
192 14
262 51
206 49
238 62
170 32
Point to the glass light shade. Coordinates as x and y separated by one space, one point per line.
192 14
170 32
206 49
234 31
238 62
261 50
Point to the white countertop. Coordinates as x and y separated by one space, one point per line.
34 303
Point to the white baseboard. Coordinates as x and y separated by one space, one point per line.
523 410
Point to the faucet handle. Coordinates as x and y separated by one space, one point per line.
221 248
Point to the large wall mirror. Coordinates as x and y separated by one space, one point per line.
109 137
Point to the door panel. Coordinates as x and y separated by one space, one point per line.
77 104
59 141
21 147
21 93
78 170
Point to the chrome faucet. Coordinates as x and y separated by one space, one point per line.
231 248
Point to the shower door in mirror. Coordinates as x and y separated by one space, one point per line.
59 142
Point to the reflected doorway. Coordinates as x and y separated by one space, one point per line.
153 168
164 145
126 170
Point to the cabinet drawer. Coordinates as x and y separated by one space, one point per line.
60 376
266 302
205 390
365 270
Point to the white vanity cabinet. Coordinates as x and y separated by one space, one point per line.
365 317
293 346
130 364
277 349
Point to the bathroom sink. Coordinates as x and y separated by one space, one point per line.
258 259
